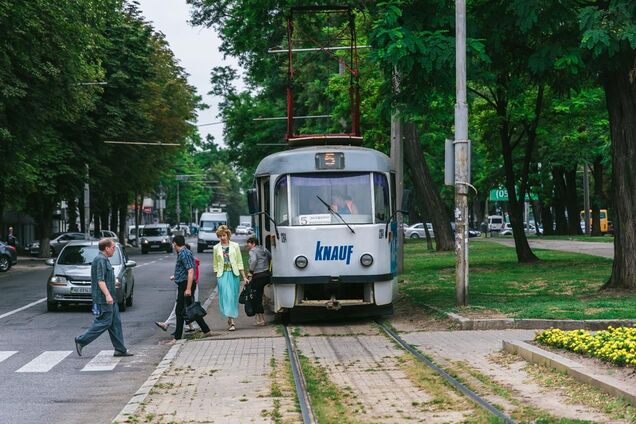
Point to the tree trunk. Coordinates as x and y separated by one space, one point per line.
598 200
427 189
44 219
559 206
123 215
572 205
72 214
620 94
515 203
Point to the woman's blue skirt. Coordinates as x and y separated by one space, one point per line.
229 285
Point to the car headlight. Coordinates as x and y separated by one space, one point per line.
165 240
301 262
144 241
366 259
117 283
57 280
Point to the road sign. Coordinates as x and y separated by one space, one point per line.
501 195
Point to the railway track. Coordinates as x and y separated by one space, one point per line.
380 374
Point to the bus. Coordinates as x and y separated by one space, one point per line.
602 218
327 214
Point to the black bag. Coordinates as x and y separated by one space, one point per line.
250 311
247 298
193 312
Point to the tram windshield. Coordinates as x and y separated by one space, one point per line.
359 198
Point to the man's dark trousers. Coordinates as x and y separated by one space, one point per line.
182 301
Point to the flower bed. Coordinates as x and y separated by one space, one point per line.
615 345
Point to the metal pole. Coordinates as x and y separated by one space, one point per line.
178 205
586 200
462 151
397 159
87 204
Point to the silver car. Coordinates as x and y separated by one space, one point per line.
56 243
416 231
70 280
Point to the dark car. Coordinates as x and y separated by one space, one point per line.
8 257
56 243
70 280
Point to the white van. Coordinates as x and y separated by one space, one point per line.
209 222
496 223
132 234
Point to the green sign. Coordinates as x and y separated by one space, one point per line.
501 195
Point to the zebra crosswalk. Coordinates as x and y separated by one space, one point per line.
48 360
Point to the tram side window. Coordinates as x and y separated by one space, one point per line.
382 198
281 212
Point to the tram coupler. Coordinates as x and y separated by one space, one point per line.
333 304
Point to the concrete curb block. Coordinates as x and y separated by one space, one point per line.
532 324
539 356
140 395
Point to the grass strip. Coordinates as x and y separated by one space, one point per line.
327 399
561 285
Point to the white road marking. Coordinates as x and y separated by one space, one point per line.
6 354
45 361
15 311
104 361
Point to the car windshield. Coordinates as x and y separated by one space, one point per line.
154 232
210 225
84 255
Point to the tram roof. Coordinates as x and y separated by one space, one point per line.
303 159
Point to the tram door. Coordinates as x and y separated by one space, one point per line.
264 206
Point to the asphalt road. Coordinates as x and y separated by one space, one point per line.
32 340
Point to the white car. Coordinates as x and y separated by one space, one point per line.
416 231
241 230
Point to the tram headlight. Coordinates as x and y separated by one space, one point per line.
366 259
301 262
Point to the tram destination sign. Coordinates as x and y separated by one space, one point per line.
330 160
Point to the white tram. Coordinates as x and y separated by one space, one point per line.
327 215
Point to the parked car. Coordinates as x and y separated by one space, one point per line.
507 231
8 257
70 280
156 237
241 230
105 233
471 232
56 243
416 231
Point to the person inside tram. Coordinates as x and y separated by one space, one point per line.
343 204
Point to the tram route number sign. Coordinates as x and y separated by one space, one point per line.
501 195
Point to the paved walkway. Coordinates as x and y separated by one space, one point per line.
605 250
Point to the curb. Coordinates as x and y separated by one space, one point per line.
140 395
532 324
539 356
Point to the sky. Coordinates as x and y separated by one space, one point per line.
196 48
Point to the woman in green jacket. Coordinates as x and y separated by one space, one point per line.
228 265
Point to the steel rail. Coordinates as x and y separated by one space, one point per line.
459 386
299 380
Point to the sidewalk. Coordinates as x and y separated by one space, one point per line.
605 250
233 377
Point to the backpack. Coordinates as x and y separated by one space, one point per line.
197 262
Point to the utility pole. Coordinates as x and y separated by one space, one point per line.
397 159
462 158
87 204
586 200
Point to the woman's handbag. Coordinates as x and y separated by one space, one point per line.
194 311
245 294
